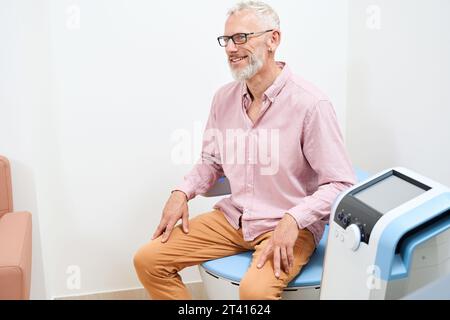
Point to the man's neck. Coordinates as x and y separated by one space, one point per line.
259 83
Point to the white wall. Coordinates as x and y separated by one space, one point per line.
314 43
398 90
106 92
26 136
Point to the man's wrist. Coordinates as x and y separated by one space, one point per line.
292 218
181 193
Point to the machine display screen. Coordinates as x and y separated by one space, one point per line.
389 193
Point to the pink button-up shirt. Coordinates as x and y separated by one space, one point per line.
291 160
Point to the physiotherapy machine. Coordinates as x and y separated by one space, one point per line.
388 236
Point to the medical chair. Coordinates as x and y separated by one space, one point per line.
221 277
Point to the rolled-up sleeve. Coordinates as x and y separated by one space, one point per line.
324 149
209 167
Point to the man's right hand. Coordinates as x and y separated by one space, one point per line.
176 208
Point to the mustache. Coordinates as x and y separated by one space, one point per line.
250 56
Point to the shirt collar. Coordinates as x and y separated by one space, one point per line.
274 89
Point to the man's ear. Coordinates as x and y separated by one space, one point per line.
274 40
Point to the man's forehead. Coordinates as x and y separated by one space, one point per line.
242 21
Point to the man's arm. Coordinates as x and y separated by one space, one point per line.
199 180
209 167
323 147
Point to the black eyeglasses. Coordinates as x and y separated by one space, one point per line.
239 38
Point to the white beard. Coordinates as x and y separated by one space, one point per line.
255 64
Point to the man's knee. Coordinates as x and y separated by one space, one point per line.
147 261
255 289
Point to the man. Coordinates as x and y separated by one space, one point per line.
280 201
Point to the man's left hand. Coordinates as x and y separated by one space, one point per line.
281 244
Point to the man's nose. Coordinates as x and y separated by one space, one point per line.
230 47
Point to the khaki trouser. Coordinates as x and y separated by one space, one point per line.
211 236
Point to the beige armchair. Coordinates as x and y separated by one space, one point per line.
15 242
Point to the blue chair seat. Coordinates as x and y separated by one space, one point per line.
234 267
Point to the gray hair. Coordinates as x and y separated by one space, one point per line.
262 10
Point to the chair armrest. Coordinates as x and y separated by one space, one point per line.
6 203
15 255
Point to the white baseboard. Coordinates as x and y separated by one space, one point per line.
196 288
